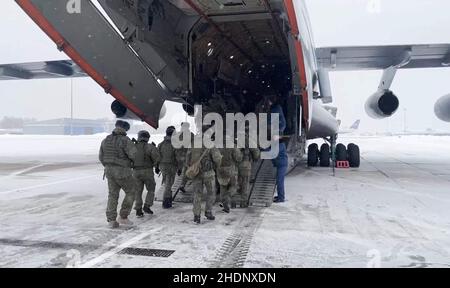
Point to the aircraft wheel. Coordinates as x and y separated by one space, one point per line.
313 155
325 155
353 155
341 152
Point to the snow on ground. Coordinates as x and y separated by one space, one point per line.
393 209
19 148
392 212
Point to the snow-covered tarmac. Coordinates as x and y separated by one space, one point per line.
392 212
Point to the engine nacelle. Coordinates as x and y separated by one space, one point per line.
382 104
442 108
122 112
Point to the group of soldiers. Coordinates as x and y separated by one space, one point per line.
131 165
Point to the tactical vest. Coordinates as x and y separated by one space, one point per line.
142 160
247 155
167 153
227 157
181 154
113 153
207 164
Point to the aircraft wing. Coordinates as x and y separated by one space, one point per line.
382 57
41 70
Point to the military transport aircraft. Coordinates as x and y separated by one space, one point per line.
146 52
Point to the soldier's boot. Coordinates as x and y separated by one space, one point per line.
197 219
226 208
139 213
113 224
244 204
148 210
125 222
167 203
210 216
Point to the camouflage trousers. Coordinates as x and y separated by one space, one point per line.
199 183
184 178
244 183
144 177
169 172
128 185
226 177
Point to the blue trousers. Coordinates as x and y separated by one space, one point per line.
281 173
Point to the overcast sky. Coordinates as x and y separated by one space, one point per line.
334 22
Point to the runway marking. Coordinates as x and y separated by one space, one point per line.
116 250
48 184
18 173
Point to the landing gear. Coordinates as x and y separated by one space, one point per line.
313 155
353 154
325 155
333 153
341 152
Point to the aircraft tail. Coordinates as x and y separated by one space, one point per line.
355 125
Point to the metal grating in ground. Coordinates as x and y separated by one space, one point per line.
147 252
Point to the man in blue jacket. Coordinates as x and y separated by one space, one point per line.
281 161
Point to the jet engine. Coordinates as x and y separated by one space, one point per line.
382 104
122 112
442 108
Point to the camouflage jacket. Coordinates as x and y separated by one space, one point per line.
117 150
167 152
181 153
209 162
147 156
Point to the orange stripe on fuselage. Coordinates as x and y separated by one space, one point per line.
48 28
300 58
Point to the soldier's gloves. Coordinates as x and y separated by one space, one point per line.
179 172
157 171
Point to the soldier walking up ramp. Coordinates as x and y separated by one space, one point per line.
262 187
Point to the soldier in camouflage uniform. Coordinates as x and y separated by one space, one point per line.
147 157
250 155
216 104
205 178
227 175
168 166
181 154
117 154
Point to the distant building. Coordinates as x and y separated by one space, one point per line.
11 131
65 126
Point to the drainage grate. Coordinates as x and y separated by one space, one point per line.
147 252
